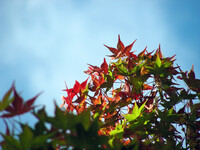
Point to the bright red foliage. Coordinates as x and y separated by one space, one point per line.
77 91
117 93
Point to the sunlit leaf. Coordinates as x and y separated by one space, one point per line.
135 113
158 62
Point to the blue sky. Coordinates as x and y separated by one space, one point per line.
46 42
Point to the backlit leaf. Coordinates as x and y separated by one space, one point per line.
120 45
128 48
158 62
104 66
113 50
18 106
135 113
6 99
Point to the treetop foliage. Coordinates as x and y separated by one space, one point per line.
132 102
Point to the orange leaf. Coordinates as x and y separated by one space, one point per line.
147 87
120 77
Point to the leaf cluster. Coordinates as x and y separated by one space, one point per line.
132 102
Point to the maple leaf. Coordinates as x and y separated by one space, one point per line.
141 54
120 45
121 49
18 106
96 82
128 48
133 56
77 89
104 66
158 52
7 99
189 78
191 74
83 85
93 69
70 95
113 50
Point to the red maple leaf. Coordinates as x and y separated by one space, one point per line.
93 69
76 90
83 85
128 48
104 66
68 100
120 45
121 50
18 107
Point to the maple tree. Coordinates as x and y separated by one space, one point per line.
132 102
